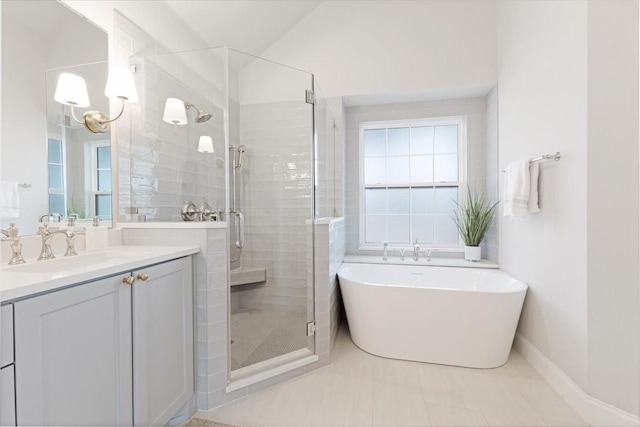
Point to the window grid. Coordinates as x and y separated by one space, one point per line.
101 193
412 152
56 171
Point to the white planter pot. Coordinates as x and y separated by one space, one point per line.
472 253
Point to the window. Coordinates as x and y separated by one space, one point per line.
410 176
101 179
56 168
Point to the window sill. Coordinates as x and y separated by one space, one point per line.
408 260
409 248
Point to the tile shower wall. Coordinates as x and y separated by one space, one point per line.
329 154
329 253
472 108
275 184
159 167
337 250
492 173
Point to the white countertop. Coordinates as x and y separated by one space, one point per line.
169 224
34 277
408 260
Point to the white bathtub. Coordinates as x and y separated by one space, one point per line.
446 315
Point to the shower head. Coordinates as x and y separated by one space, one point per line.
201 115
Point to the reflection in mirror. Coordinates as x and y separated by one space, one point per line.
39 40
79 161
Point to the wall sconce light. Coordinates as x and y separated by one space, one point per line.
175 112
72 90
205 144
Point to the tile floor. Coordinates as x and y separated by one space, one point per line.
259 335
358 389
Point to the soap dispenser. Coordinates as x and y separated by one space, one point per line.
96 236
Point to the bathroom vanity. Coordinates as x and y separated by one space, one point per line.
105 338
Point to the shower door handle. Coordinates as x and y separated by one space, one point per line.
239 218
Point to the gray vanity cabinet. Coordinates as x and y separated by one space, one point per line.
163 375
7 373
108 352
73 356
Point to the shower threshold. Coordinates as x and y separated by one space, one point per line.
261 371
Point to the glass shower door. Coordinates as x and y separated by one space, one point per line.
271 201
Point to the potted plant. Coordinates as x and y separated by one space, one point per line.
473 219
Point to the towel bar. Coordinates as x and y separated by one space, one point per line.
555 157
24 185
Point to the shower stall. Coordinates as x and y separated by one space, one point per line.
260 179
271 208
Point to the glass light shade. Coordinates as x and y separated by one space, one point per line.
175 112
205 144
120 85
71 90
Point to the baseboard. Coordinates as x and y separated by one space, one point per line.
593 411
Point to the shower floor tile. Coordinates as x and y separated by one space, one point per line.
358 389
259 335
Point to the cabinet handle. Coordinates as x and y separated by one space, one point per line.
129 280
143 276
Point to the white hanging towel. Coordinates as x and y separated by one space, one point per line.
534 172
9 200
517 183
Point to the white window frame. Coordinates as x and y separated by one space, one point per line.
63 190
93 146
461 122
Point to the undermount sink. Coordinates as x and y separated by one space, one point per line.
62 263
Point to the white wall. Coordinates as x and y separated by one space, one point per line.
612 202
492 171
24 134
568 82
542 63
363 47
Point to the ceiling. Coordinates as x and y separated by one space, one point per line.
48 18
249 26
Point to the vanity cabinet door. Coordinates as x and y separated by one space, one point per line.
7 397
162 341
73 356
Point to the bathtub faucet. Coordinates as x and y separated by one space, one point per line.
416 251
428 251
385 244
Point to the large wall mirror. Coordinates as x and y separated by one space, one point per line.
58 165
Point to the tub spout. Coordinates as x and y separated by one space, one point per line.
416 251
385 245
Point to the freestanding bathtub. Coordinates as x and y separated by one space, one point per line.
446 315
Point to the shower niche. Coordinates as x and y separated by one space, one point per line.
259 176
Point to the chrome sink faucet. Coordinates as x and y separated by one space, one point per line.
48 217
16 246
47 236
416 251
